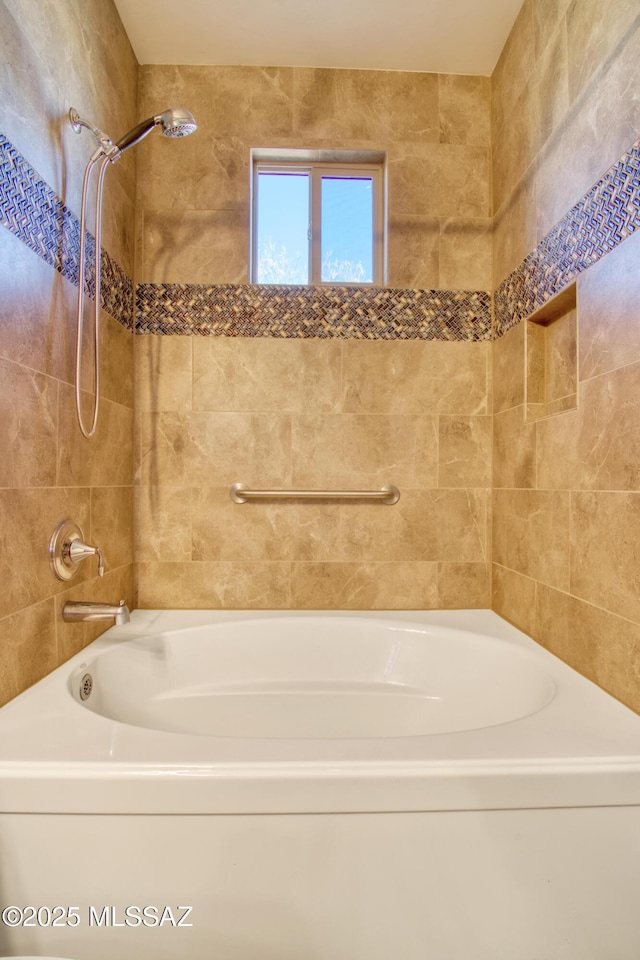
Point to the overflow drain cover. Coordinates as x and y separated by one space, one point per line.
86 686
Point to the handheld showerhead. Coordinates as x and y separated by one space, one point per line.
176 122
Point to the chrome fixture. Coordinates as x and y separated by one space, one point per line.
174 123
240 493
86 686
73 612
67 550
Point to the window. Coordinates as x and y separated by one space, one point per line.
317 222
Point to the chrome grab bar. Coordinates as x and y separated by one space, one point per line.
240 493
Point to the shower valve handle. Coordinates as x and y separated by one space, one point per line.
68 549
79 551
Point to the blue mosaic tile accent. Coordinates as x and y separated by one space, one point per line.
31 211
607 215
365 313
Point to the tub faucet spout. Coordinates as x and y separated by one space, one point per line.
96 611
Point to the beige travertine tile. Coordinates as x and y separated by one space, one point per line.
560 625
413 252
561 405
413 180
269 530
531 534
112 524
593 32
356 451
508 369
423 525
464 586
415 378
514 450
548 16
514 598
516 144
29 517
196 246
374 532
116 585
536 363
28 427
605 563
181 449
596 446
609 311
514 67
116 361
118 213
364 586
464 452
371 105
208 173
227 101
515 228
163 373
9 687
561 353
590 139
27 647
551 81
425 472
465 115
163 523
457 522
463 181
36 305
38 84
286 376
438 180
601 646
105 460
465 255
214 585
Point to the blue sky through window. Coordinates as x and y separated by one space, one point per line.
347 229
283 205
283 224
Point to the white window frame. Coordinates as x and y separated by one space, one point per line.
316 171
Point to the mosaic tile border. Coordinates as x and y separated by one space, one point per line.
31 211
251 310
607 215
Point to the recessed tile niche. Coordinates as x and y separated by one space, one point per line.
552 357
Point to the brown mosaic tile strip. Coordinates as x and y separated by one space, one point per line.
607 215
31 211
252 310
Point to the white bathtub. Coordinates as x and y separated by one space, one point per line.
321 786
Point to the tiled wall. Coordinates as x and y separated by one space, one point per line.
312 414
47 470
566 502
435 129
321 413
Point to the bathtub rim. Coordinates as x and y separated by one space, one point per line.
39 783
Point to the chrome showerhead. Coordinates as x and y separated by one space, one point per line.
175 123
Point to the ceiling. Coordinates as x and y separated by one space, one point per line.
435 36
